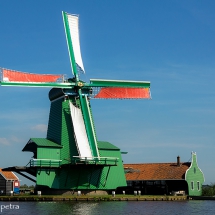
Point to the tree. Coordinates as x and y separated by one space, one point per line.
208 190
24 186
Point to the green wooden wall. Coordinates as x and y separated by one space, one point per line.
48 153
194 177
116 177
60 129
91 176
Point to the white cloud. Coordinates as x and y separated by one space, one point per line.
16 139
40 127
4 141
10 140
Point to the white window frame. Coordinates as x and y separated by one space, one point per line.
198 186
192 185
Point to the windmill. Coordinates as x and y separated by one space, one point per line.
71 157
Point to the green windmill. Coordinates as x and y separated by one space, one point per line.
71 157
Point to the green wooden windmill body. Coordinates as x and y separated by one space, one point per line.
71 157
73 173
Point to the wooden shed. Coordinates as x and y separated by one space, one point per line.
8 182
165 178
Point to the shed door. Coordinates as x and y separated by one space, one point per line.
9 187
2 185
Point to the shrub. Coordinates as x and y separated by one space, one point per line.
208 190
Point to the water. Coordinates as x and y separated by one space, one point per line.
103 208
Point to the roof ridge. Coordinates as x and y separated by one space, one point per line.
154 163
8 175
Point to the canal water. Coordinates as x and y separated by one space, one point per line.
103 208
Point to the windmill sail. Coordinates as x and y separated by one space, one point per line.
123 93
120 89
82 142
73 42
16 76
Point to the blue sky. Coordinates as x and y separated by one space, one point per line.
170 43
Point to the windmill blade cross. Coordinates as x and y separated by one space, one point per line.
76 89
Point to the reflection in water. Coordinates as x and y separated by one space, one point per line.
84 208
119 208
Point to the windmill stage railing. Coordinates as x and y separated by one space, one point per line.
45 163
107 161
52 163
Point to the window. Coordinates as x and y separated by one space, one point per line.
129 183
194 169
198 185
149 182
192 185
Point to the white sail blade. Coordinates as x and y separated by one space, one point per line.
80 133
71 25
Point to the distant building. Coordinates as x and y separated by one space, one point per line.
165 178
8 182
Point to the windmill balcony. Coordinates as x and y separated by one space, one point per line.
51 163
104 161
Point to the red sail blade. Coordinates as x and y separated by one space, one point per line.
15 76
123 93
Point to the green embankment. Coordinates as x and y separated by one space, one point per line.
91 198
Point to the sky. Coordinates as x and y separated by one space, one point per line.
170 43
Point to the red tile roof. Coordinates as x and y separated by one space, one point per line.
155 171
8 175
